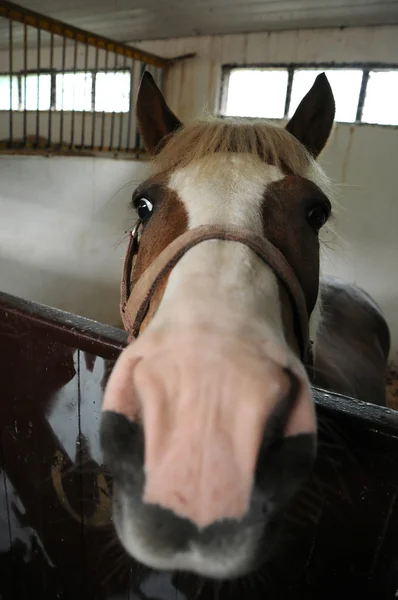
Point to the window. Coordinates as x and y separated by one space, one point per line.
8 89
73 91
381 101
36 92
112 92
257 93
361 94
81 91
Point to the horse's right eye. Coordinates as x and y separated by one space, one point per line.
317 217
144 208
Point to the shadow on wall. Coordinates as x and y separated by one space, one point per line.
63 291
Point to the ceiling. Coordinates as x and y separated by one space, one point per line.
129 20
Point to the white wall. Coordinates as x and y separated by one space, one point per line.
61 220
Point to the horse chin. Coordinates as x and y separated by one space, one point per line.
225 550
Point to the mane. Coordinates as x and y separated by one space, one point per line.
204 137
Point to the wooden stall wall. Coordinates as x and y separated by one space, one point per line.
56 534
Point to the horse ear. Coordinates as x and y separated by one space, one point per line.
312 122
154 117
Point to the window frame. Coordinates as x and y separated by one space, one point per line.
53 97
291 67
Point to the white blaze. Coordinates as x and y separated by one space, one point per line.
218 280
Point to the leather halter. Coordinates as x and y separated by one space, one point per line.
134 306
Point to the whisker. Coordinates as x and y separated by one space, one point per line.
121 565
120 241
199 590
132 183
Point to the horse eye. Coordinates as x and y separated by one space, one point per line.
317 217
144 208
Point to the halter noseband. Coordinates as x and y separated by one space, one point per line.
134 306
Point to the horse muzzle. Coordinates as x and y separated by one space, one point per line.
208 430
207 404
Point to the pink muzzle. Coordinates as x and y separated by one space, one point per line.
204 400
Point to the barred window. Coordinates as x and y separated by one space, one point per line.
362 94
78 91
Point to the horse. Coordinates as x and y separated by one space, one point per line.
208 422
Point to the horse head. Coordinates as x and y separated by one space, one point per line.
208 423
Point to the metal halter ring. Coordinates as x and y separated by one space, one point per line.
134 233
132 250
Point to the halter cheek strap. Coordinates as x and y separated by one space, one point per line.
134 306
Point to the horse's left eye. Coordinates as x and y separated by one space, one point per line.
144 208
317 217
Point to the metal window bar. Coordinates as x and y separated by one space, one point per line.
93 91
52 90
130 117
61 125
103 112
72 124
114 132
11 82
38 88
121 116
84 110
362 94
113 112
25 70
288 92
139 142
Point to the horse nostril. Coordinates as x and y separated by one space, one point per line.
284 461
122 443
277 421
